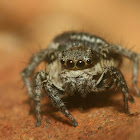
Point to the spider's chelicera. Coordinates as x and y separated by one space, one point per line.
78 63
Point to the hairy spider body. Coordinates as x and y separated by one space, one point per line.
78 63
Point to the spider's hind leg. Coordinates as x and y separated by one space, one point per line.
135 74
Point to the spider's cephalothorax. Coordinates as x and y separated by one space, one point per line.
78 63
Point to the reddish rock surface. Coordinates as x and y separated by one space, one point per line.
99 116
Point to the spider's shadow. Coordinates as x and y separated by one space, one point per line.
92 100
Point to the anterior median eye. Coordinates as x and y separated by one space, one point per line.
80 64
70 64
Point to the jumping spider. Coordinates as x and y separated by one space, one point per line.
78 63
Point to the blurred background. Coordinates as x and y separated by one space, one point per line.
23 23
27 26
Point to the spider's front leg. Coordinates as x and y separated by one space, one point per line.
133 57
39 77
53 93
119 80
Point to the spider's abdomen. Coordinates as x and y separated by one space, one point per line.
70 39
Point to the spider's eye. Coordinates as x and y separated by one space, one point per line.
62 61
80 64
88 61
70 64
